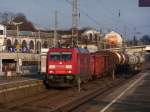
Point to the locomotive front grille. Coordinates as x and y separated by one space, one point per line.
61 77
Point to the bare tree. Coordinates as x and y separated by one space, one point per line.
27 25
7 18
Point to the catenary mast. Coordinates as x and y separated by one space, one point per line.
74 23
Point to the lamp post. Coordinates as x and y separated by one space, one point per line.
39 45
39 49
17 25
19 61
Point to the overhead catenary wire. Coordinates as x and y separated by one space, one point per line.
127 25
89 17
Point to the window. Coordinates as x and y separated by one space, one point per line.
60 55
1 32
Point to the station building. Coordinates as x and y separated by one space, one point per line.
20 51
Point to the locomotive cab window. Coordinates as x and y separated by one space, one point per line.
60 56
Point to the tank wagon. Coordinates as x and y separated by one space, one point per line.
109 62
65 65
129 63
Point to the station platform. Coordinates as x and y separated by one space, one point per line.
132 97
12 88
9 79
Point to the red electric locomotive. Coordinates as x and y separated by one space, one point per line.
65 65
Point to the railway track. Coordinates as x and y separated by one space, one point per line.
62 100
110 101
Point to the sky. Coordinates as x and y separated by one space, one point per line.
100 14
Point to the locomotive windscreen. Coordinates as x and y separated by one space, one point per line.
60 55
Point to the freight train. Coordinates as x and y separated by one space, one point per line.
65 65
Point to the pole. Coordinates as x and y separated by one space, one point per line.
55 31
17 30
17 25
74 23
39 45
39 52
79 84
18 67
1 66
113 75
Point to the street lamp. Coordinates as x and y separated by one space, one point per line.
19 61
17 25
38 45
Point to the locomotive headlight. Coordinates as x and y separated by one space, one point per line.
51 71
52 66
69 71
69 66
